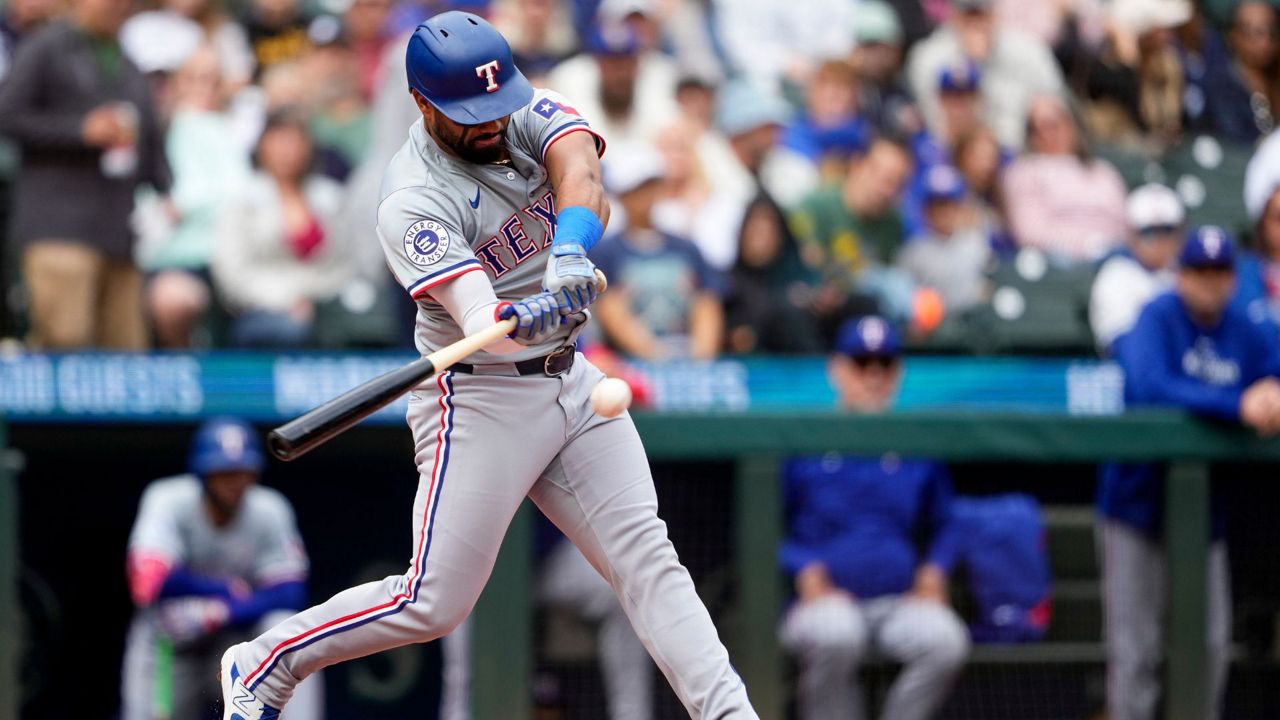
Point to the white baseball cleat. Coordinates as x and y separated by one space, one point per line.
237 702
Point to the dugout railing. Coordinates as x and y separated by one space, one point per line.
756 441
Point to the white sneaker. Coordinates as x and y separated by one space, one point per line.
237 702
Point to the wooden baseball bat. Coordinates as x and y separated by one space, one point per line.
315 427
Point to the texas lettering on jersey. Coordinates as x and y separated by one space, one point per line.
513 239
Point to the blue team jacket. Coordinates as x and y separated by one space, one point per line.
1168 360
861 517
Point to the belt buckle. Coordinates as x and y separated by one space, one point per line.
546 364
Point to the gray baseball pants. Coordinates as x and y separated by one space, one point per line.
834 634
484 442
1135 590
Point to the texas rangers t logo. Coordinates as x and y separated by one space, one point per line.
489 71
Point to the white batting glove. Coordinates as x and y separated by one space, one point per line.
537 318
191 618
570 278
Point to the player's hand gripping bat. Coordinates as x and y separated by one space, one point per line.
312 429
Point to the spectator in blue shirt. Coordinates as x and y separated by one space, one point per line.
1195 349
831 129
860 585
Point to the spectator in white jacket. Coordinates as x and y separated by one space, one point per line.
278 252
1015 68
1129 278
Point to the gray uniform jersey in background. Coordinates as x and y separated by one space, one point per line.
441 217
260 546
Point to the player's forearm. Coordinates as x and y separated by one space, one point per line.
944 548
574 171
471 302
581 186
284 596
181 581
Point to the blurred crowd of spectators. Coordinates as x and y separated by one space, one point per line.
205 172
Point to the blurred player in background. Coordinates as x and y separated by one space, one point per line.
1190 348
860 585
214 558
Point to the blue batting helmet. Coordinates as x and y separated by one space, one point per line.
463 66
225 444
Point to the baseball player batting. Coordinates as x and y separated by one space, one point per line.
488 212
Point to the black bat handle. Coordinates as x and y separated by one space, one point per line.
304 433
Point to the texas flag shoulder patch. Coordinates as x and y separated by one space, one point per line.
547 108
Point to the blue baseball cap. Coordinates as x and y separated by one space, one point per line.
225 444
869 336
1208 246
943 182
963 77
613 39
463 66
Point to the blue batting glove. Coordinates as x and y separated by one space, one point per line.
537 318
570 278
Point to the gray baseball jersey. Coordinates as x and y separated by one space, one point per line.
486 440
261 545
441 217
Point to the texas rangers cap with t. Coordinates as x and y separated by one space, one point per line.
463 66
225 444
869 336
1208 246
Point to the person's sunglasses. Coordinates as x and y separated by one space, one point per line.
1154 230
884 362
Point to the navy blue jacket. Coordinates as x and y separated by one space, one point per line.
1230 107
861 517
1168 360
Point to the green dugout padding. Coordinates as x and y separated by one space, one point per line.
757 441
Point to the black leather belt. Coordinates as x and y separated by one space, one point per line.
553 365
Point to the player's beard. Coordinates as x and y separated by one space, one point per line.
459 142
